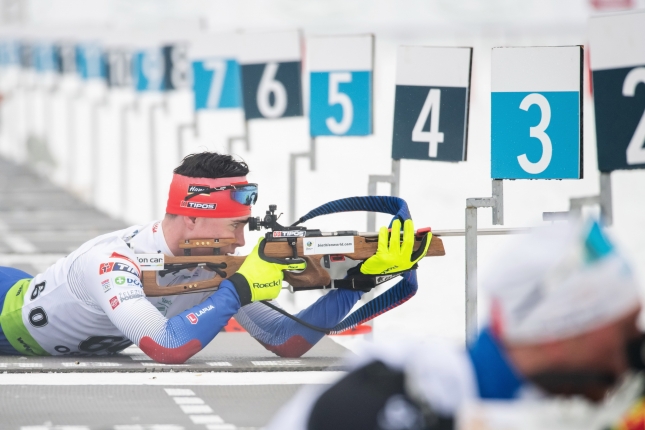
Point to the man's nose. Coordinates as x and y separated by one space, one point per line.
239 238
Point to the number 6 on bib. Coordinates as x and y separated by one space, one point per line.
536 113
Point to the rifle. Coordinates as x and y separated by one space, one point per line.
328 255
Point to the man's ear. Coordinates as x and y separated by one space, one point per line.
190 222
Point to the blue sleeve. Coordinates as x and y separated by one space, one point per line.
288 338
185 334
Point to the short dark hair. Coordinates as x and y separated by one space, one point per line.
211 165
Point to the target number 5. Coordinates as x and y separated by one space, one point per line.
336 97
635 150
539 133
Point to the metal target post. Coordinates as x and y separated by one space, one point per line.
293 158
394 179
496 202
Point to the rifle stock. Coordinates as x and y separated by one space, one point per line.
314 275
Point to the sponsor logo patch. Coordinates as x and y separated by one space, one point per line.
292 233
114 302
194 317
150 261
129 295
192 189
119 280
155 227
134 282
122 267
267 285
197 205
105 268
107 285
117 255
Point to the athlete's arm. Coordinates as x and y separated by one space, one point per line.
288 338
113 283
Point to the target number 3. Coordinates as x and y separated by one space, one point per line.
539 132
635 150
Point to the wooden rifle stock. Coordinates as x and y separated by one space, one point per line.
314 275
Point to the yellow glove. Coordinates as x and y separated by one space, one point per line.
260 277
397 257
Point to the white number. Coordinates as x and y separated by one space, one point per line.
336 97
180 72
538 133
120 71
433 137
68 59
152 68
93 61
215 92
635 150
268 85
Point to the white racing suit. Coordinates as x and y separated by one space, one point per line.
92 303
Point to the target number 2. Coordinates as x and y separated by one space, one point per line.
635 150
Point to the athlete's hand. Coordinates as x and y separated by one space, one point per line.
395 257
260 277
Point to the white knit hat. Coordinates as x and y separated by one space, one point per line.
558 282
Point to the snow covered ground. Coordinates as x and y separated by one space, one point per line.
436 192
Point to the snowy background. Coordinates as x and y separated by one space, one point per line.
436 192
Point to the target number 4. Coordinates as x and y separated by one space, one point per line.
635 150
434 137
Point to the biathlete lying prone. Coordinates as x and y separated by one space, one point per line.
92 301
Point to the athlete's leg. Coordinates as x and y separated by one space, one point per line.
8 278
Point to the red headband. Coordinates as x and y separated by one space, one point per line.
217 204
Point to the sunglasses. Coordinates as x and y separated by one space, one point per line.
244 194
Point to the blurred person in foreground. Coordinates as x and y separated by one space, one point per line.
92 301
564 309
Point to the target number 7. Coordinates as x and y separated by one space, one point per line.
215 92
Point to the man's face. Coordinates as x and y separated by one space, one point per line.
602 351
219 228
